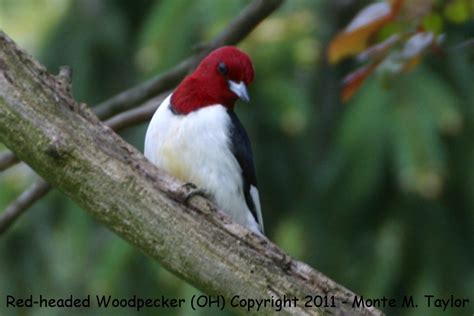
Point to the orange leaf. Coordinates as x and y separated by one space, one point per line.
352 82
354 39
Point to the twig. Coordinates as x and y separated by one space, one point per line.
244 23
7 160
22 203
137 115
237 30
463 45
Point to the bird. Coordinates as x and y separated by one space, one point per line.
196 136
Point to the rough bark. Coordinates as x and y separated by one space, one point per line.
66 144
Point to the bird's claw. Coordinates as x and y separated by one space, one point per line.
192 190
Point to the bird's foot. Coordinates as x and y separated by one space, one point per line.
190 190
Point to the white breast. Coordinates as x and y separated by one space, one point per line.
196 148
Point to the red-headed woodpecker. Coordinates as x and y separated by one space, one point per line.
196 136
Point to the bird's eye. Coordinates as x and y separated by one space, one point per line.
222 68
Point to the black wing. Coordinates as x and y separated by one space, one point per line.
242 151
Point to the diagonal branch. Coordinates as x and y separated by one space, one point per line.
7 160
22 203
40 188
70 148
137 115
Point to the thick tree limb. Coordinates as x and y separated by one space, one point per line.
237 30
71 149
40 188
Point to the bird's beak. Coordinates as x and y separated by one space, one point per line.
240 89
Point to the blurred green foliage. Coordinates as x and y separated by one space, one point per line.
378 194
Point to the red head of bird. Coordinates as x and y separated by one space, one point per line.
221 78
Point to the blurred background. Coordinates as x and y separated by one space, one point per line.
376 193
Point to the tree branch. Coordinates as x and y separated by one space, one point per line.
40 188
7 160
237 30
69 147
137 115
22 203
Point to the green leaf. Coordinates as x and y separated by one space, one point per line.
458 11
434 23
